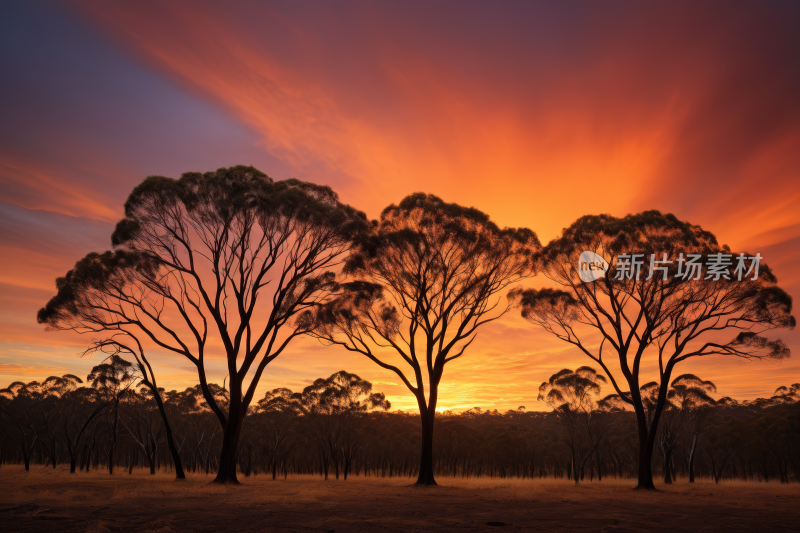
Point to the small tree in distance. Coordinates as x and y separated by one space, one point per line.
571 395
128 344
22 414
113 381
788 394
689 396
334 408
280 411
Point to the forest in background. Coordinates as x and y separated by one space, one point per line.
338 427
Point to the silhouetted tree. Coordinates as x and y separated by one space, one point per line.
642 311
722 445
333 408
17 403
113 381
280 412
36 410
790 394
51 408
571 395
140 422
129 344
200 425
689 400
599 424
194 257
775 438
83 408
421 285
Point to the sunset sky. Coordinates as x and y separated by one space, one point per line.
534 112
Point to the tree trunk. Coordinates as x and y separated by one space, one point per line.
645 475
574 467
672 469
667 472
111 459
226 473
89 449
597 456
427 415
114 432
647 436
173 450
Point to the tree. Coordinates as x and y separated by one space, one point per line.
280 411
201 425
689 397
129 344
35 409
141 425
599 424
18 405
334 408
193 260
790 394
51 409
420 286
723 445
668 312
113 381
570 394
83 407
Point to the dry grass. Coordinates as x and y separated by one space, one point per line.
44 499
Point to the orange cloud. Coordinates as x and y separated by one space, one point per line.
33 185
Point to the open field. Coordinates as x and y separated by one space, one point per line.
44 499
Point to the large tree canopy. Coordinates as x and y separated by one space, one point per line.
670 292
421 284
229 255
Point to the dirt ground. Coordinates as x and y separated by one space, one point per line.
48 500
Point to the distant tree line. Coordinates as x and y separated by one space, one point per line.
338 428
